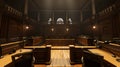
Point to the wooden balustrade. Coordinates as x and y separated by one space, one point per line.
10 47
85 41
34 41
115 50
42 54
76 53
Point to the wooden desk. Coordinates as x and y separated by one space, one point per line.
42 54
59 42
76 53
107 56
12 43
33 47
114 44
7 58
85 47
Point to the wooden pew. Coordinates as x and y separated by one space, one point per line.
10 47
42 54
76 53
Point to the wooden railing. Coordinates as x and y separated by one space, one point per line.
42 54
60 42
115 50
10 47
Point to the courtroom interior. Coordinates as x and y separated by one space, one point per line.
59 33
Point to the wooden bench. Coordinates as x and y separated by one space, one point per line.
76 53
42 54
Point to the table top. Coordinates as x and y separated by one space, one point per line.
34 47
85 46
12 43
107 56
7 58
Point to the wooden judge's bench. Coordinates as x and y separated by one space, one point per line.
59 42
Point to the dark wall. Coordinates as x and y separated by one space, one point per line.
107 23
60 31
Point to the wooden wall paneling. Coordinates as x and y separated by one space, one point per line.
0 52
109 23
4 28
0 23
13 31
106 29
115 25
118 24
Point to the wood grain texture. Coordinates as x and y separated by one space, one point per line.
60 58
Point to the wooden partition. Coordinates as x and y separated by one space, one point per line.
34 41
10 47
42 54
60 42
76 53
114 49
85 41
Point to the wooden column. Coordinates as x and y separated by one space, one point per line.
1 11
25 16
93 9
0 21
38 17
26 7
81 16
1 14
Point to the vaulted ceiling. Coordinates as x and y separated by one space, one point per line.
60 7
46 9
59 4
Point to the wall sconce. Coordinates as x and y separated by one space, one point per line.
94 27
67 29
52 29
27 27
